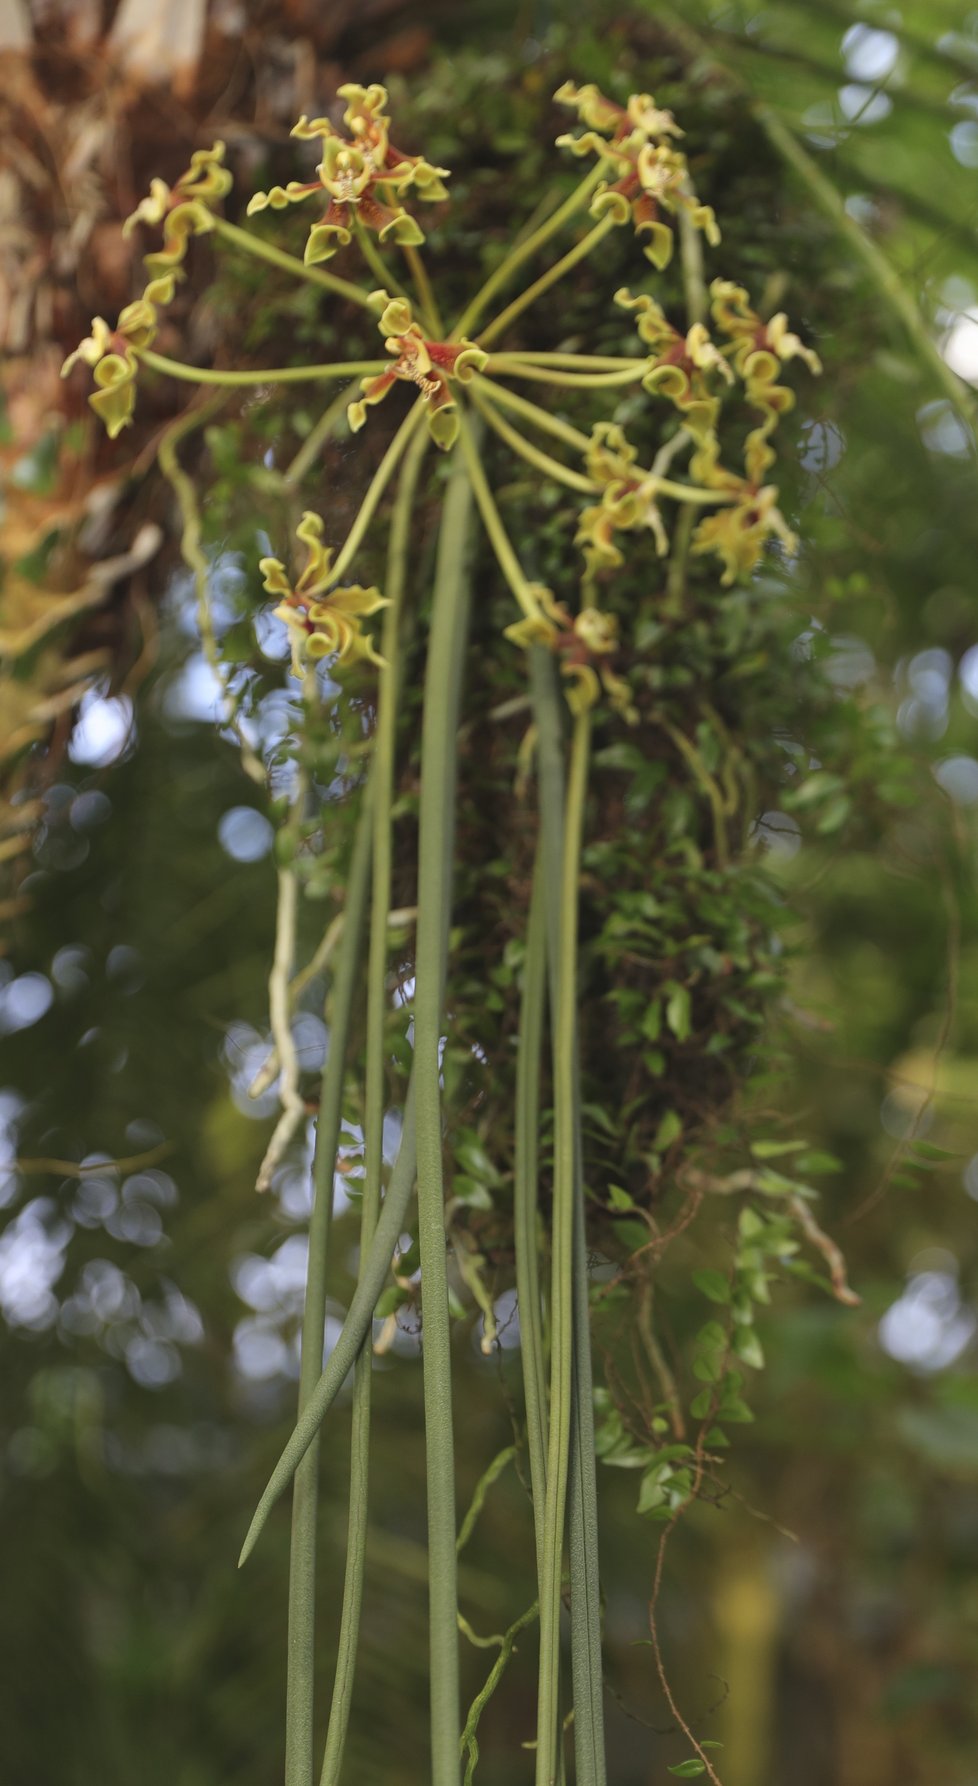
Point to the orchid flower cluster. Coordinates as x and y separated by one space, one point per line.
183 210
431 377
640 177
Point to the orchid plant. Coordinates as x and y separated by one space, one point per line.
464 384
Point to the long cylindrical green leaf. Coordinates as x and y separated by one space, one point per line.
525 1222
359 1315
562 1313
382 787
302 1557
582 1523
443 681
589 1745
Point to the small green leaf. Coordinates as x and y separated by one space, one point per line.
748 1347
473 1159
390 1301
735 1410
813 790
834 815
652 1492
669 1130
689 1770
774 1184
816 1161
769 1150
468 1191
678 1012
599 1117
713 1284
619 1199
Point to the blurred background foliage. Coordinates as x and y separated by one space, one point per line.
820 1617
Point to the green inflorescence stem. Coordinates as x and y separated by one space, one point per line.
571 259
319 434
523 251
499 539
427 301
572 362
158 362
277 257
532 413
565 431
371 253
378 484
624 372
518 443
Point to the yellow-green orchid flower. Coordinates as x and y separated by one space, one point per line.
111 353
757 351
618 121
369 126
750 515
582 643
183 209
627 502
322 622
430 365
737 533
681 365
652 175
361 176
